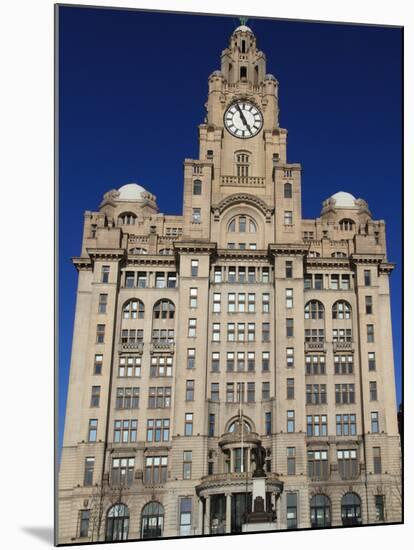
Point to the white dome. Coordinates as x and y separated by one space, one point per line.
243 28
344 200
131 192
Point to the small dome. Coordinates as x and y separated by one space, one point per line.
131 192
344 200
270 77
243 28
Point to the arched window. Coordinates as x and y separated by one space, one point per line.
152 520
320 509
197 187
164 309
314 254
117 523
341 310
351 509
166 252
242 164
138 251
134 309
314 310
242 224
346 225
338 255
235 424
287 190
127 218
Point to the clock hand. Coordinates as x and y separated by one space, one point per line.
243 118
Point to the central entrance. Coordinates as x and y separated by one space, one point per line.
240 504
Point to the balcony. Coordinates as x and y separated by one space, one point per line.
131 346
343 346
158 346
314 346
248 181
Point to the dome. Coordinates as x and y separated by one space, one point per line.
243 28
269 76
131 192
343 200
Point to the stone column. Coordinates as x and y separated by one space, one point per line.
231 460
228 512
207 516
200 517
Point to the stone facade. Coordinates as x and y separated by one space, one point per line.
200 338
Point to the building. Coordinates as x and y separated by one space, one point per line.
199 338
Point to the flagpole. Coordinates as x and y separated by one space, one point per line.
241 427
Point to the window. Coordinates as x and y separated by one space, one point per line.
314 310
315 394
290 421
251 332
242 224
100 334
341 310
342 335
191 354
287 172
345 424
374 423
320 508
117 523
125 431
193 298
290 358
344 393
288 269
230 361
160 280
344 364
315 335
161 366
133 309
103 302
192 328
368 305
289 298
318 282
242 275
370 333
251 361
265 361
371 360
155 469
290 388
379 508
188 424
84 523
230 392
216 302
367 277
265 390
241 334
142 279
345 282
292 510
185 516
105 274
92 431
211 424
152 522
268 423
240 360
242 159
265 275
189 390
216 332
317 425
194 268
215 361
122 471
196 215
376 452
215 391
315 363
88 472
158 429
241 302
288 217
346 225
250 392
132 336
159 397
167 251
127 398
265 302
265 332
318 464
291 461
164 309
287 190
129 279
289 327
373 395
218 275
97 365
162 336
197 187
95 396
347 463
129 366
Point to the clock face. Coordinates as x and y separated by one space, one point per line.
243 119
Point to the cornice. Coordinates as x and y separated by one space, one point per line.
367 258
82 263
386 267
195 247
288 249
106 253
341 263
151 259
237 254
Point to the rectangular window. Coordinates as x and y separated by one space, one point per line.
100 334
230 392
218 277
193 298
231 332
373 395
251 332
370 333
251 361
265 275
231 302
125 431
374 423
215 391
265 390
185 516
192 328
377 460
242 275
290 421
240 360
367 277
289 298
194 268
288 217
268 423
196 216
188 424
187 463
215 361
371 361
289 327
241 302
97 365
122 471
171 279
250 392
241 332
129 366
211 424
347 463
216 332
230 361
315 394
142 279
197 187
265 332
251 271
105 274
191 354
103 302
265 302
318 465
345 282
189 390
231 274
288 269
155 470
216 302
93 430
161 366
343 364
342 335
127 398
318 282
315 363
290 388
88 472
334 282
159 397
346 424
344 393
158 429
316 425
95 396
265 361
160 280
368 305
379 508
290 358
292 510
291 461
84 523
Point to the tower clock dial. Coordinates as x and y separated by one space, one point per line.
243 119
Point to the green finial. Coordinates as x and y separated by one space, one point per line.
243 20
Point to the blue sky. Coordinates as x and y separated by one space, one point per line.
340 99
